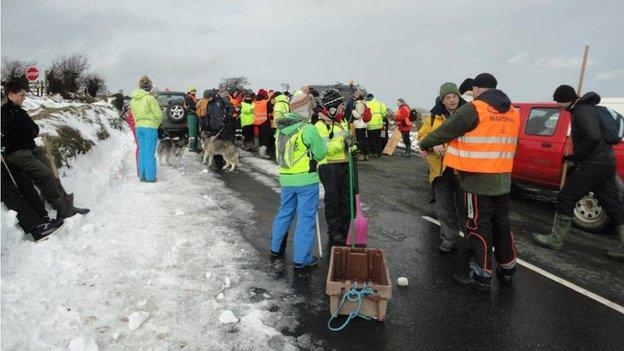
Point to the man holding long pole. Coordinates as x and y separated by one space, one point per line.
594 170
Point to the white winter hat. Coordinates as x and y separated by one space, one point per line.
303 105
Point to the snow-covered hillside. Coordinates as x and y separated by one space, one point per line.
153 267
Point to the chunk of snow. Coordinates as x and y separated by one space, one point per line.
402 281
136 319
87 228
221 296
82 343
179 212
227 317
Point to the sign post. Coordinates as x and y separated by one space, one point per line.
32 74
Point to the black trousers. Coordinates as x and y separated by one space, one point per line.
271 146
36 166
24 200
335 179
374 141
248 134
407 141
488 226
598 179
362 141
264 133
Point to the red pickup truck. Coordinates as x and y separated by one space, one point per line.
538 162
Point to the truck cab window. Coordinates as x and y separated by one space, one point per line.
542 121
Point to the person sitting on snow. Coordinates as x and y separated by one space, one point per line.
19 194
21 153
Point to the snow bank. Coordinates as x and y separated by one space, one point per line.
152 267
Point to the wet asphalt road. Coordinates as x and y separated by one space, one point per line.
433 312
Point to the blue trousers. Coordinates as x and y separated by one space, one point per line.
302 200
147 139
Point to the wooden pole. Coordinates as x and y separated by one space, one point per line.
48 150
582 75
579 89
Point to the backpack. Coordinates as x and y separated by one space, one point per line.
286 147
201 108
367 115
413 115
611 125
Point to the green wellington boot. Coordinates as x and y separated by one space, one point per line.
561 227
618 254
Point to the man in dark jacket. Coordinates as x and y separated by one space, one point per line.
218 118
482 139
21 153
594 170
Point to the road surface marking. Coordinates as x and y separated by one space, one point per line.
557 279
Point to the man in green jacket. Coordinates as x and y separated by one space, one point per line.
147 117
298 149
378 111
482 136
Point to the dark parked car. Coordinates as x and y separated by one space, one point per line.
174 114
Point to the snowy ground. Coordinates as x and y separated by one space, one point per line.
153 266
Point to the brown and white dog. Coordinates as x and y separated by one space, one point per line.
213 146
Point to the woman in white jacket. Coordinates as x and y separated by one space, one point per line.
360 126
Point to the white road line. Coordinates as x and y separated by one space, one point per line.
559 280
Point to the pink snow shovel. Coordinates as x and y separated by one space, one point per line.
361 222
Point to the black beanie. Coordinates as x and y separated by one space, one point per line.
466 85
485 80
564 93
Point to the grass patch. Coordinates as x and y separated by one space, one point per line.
68 144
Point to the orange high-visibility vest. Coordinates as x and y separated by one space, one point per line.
260 112
235 104
490 147
234 101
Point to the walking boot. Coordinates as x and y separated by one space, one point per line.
62 208
70 204
407 153
262 153
555 241
618 254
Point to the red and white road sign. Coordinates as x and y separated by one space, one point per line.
32 73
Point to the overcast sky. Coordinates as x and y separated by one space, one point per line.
394 48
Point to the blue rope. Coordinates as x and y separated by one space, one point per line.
354 295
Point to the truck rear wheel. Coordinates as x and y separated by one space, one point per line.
590 216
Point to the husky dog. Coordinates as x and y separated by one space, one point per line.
171 149
213 146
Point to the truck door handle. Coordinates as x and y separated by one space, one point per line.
546 144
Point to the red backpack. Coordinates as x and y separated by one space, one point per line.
367 115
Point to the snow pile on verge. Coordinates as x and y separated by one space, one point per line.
152 267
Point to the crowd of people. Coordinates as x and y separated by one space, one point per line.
468 140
